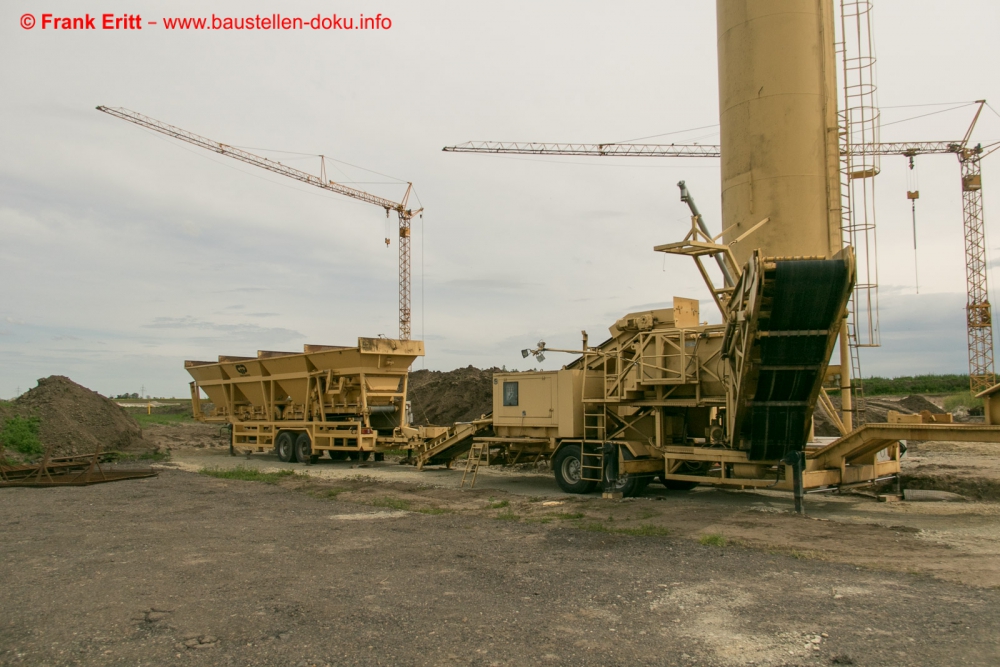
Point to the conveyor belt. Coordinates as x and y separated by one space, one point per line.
451 445
791 324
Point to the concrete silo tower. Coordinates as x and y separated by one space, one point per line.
778 117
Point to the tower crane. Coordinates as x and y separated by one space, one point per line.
979 319
979 323
404 213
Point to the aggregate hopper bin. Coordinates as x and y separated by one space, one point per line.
348 401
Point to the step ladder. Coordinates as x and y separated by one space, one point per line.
860 405
479 449
592 447
591 461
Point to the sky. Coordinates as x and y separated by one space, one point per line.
123 252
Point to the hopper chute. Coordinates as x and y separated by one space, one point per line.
321 383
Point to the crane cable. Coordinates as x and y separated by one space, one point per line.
913 194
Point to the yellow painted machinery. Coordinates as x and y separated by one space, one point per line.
671 397
347 401
668 397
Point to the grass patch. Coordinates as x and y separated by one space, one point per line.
568 516
165 419
594 527
21 435
498 504
965 400
245 474
327 494
434 510
507 516
391 503
712 540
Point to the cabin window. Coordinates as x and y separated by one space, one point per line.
509 393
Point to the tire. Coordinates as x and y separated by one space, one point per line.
359 456
631 486
566 467
284 447
303 448
336 456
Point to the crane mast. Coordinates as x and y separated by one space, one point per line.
404 213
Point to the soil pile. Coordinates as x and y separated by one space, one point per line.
442 398
877 411
75 420
916 403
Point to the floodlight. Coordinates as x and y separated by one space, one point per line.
541 357
525 353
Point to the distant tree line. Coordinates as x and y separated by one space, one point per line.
916 384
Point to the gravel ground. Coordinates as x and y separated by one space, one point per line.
188 569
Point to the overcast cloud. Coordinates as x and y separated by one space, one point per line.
122 253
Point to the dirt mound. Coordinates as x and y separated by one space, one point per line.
970 486
445 397
916 403
75 420
876 411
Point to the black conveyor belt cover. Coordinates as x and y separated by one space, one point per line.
807 298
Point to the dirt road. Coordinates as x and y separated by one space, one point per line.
190 569
956 541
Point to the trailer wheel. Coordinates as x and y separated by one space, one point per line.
284 447
303 448
566 467
631 486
